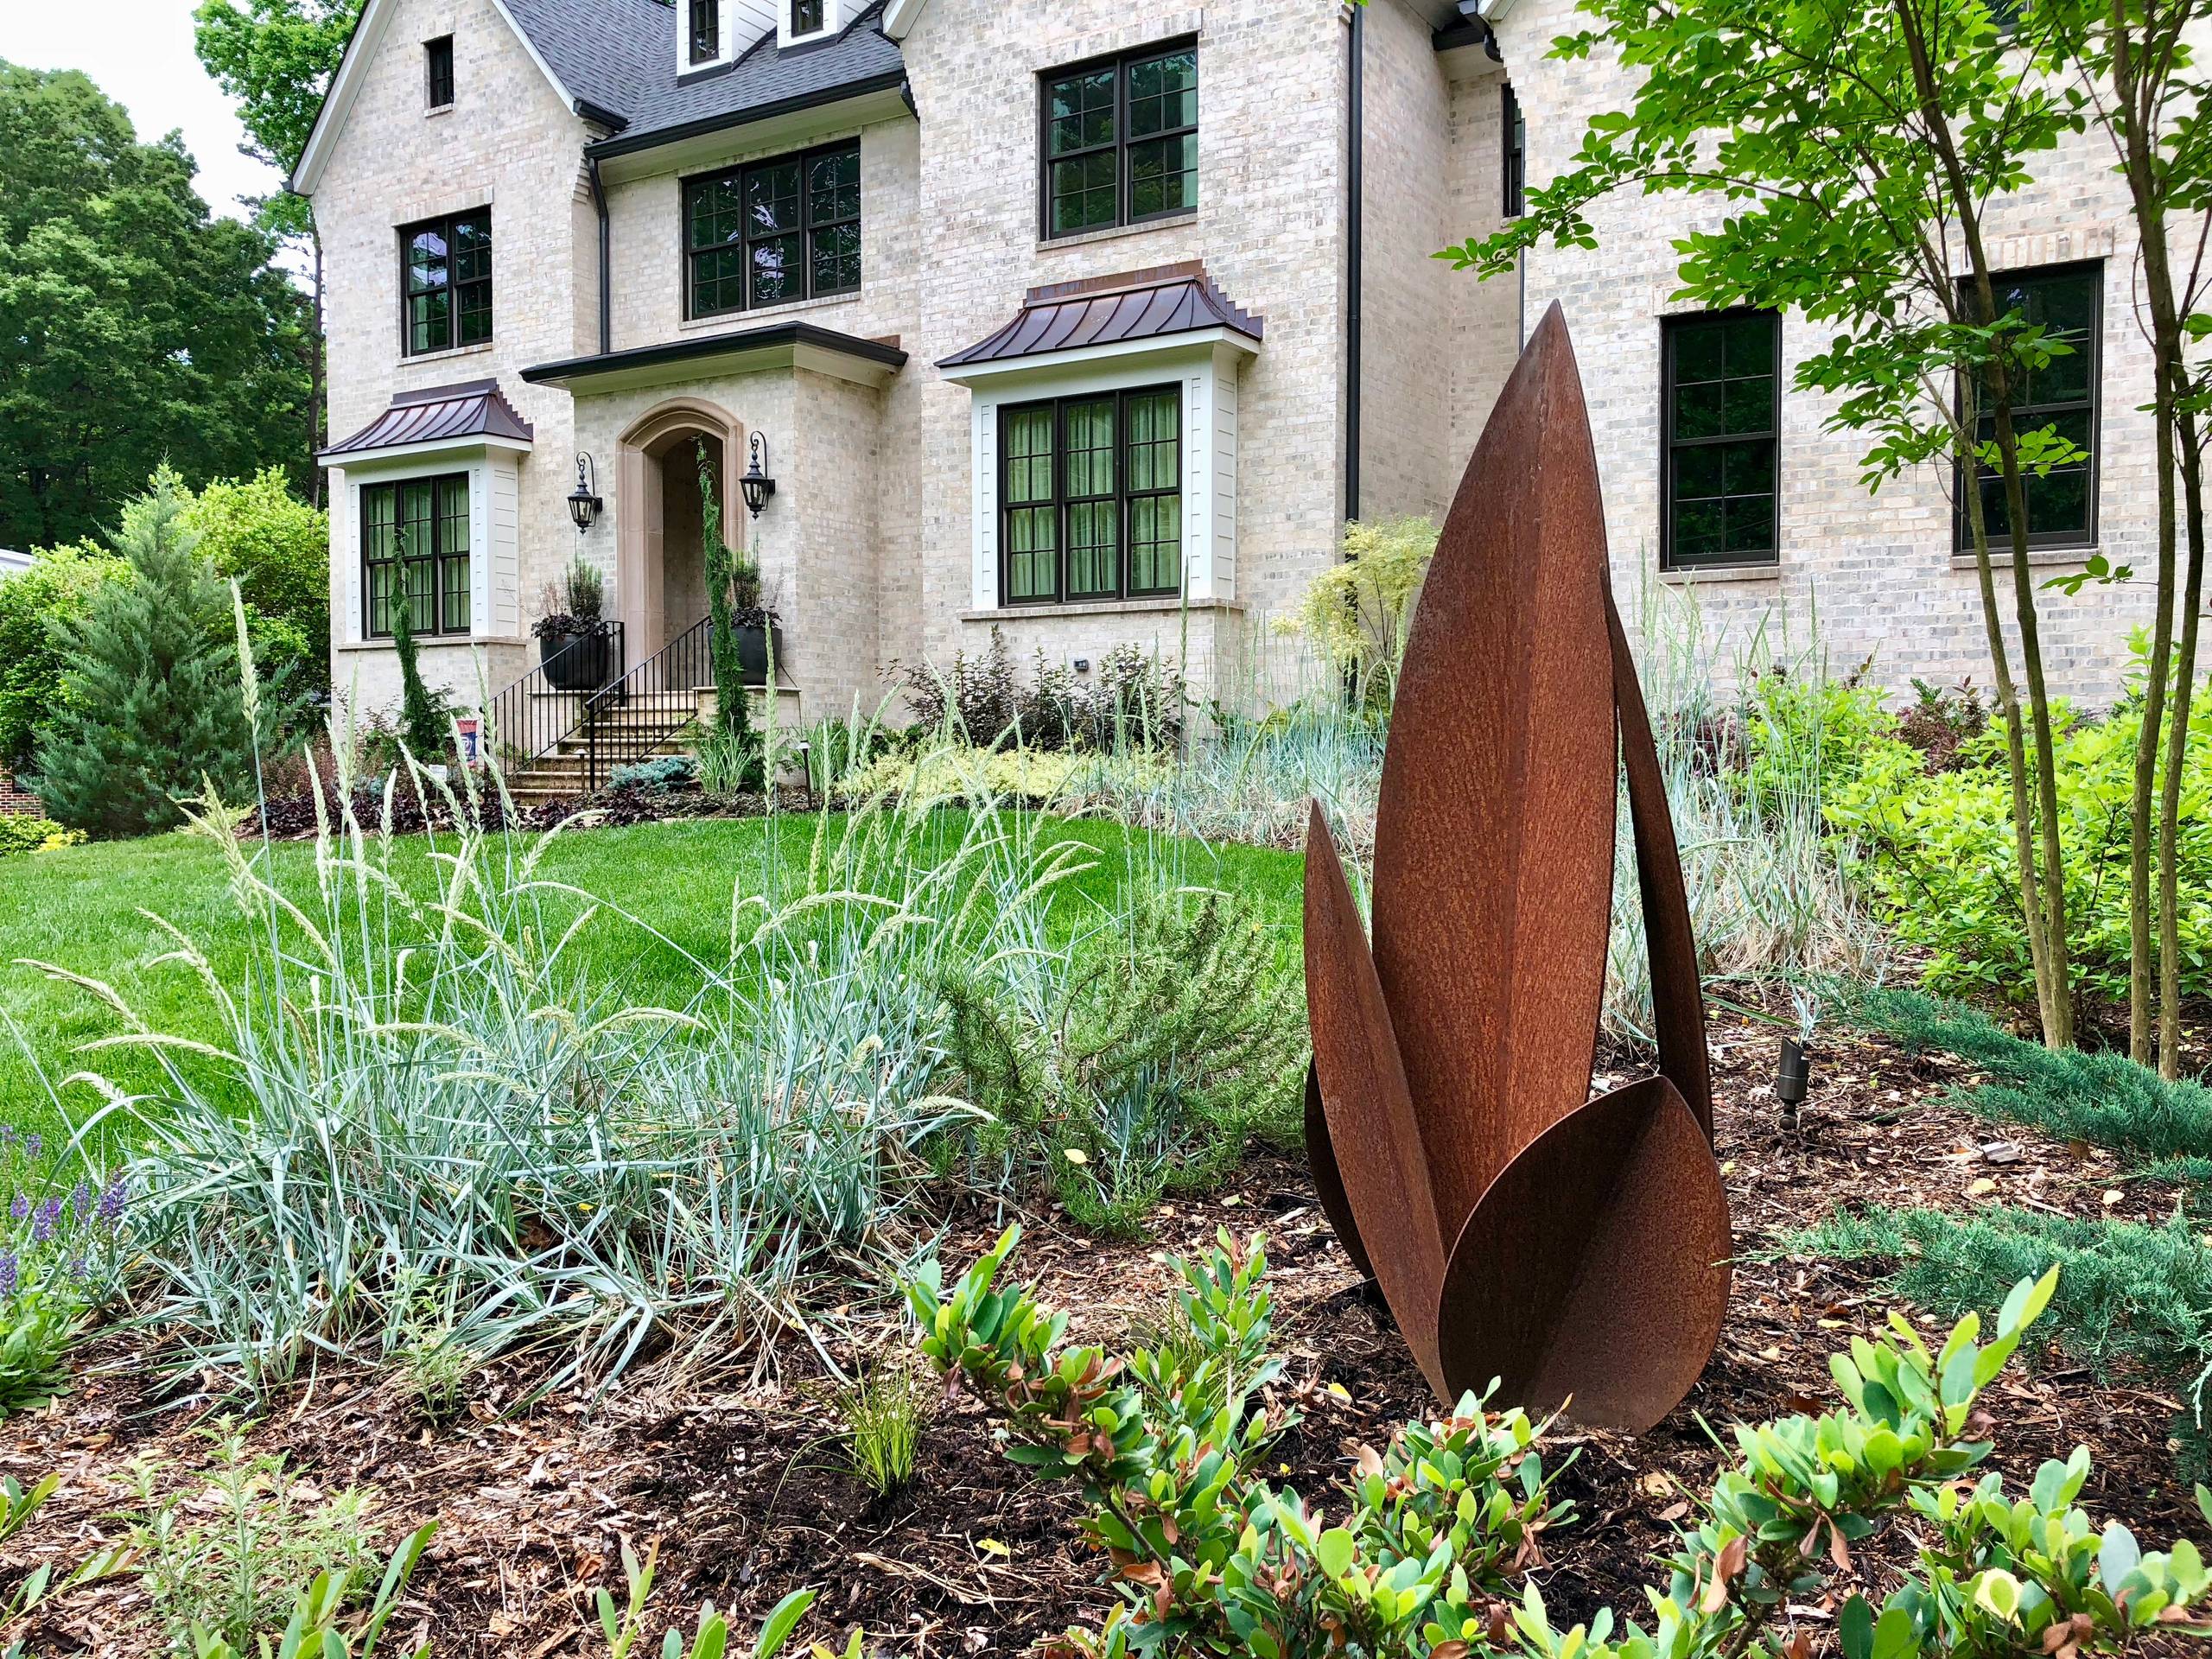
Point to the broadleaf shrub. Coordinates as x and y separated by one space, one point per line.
1430 1558
56 590
21 832
1936 851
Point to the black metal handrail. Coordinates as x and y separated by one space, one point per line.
633 718
532 718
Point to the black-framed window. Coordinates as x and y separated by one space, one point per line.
2067 303
808 17
415 541
788 228
445 274
1093 493
706 30
1514 136
1120 140
437 68
1720 410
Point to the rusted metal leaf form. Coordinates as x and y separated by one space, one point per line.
1517 1229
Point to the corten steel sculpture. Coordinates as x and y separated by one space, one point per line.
1517 1229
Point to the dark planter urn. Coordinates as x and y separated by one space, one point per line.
578 662
753 651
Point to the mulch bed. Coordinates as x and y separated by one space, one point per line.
292 817
743 1490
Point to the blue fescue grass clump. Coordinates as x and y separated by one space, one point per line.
2103 1099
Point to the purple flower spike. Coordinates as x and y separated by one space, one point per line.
79 1270
80 1202
46 1221
111 1210
33 1144
21 1209
11 1275
7 1134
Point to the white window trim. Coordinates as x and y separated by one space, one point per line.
1204 366
832 21
494 469
685 65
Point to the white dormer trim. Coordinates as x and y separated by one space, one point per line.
726 48
833 19
353 71
900 17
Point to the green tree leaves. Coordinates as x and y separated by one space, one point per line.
134 327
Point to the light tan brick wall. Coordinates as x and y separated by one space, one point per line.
507 141
1406 437
1269 227
1879 569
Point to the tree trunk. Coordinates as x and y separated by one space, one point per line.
2192 481
2050 993
2053 978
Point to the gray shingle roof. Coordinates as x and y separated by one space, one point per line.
620 56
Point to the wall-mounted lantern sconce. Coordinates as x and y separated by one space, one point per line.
584 503
756 483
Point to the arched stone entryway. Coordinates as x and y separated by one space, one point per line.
660 577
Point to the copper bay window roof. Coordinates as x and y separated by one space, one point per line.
1111 310
474 409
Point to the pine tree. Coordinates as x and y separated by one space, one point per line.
152 702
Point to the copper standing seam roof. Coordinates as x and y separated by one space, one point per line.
472 409
1105 310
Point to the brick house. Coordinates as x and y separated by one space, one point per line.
1089 325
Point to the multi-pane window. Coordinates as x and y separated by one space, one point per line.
437 65
414 545
706 30
446 282
1121 141
783 229
1092 492
808 17
1514 137
2061 396
1719 411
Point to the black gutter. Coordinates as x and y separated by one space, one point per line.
774 337
1355 228
631 143
605 257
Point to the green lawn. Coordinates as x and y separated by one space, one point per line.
79 908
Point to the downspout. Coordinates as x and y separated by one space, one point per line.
606 258
1355 226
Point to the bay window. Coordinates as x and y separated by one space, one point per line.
414 545
1092 492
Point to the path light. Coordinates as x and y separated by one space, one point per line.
584 502
1793 1077
756 483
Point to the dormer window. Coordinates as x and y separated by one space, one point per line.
809 17
706 30
437 63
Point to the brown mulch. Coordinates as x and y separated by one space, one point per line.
743 1490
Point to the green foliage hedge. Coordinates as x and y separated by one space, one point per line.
19 834
56 589
1936 850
